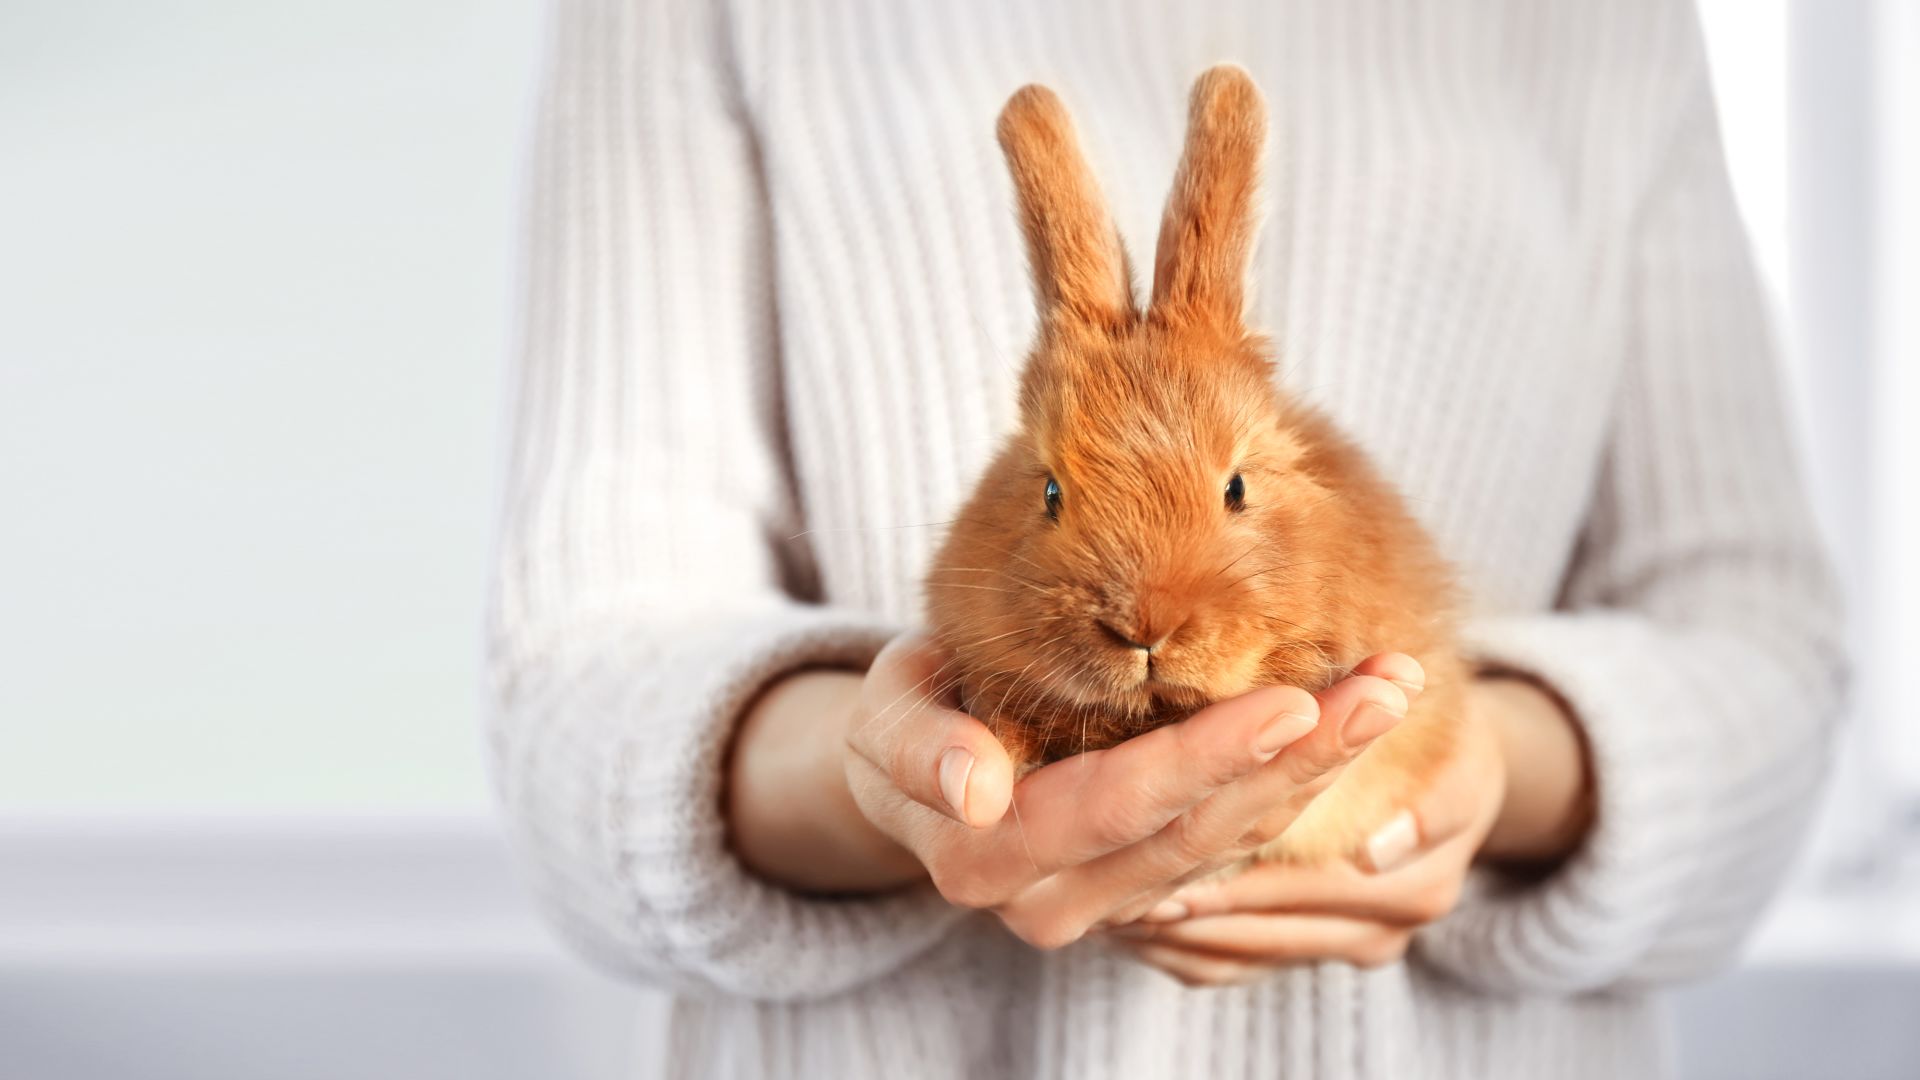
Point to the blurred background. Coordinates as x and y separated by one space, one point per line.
257 289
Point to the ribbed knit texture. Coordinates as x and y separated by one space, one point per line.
777 307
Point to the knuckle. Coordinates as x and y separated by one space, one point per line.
1314 761
1216 767
1267 829
1190 842
962 888
1043 932
1116 821
897 757
1057 937
1433 902
863 737
1382 951
1215 974
1274 824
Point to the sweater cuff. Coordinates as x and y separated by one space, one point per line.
1677 740
613 773
720 923
732 929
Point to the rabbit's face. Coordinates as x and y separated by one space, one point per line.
1148 542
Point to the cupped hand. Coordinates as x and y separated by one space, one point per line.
1363 911
1106 836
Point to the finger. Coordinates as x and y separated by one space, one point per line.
1399 669
938 757
1391 845
1198 969
1458 800
1096 803
1280 939
1085 808
1159 903
1228 825
1354 712
1420 892
1318 764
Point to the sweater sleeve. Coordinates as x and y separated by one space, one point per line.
647 582
1697 640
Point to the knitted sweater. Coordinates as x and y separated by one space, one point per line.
777 306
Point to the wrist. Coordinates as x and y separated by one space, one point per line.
791 818
1547 807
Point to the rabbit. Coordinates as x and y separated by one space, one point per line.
1167 527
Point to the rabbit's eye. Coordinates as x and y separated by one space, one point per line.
1236 493
1053 498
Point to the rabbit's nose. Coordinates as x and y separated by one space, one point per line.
1121 636
1143 636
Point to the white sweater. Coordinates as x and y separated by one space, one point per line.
777 306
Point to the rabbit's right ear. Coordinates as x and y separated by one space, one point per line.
1079 266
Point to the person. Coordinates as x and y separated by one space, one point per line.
777 307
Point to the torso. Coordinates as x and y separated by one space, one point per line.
1441 273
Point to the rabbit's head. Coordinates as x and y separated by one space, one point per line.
1158 534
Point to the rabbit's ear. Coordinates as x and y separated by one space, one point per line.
1206 236
1079 267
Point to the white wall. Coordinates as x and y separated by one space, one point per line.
255 293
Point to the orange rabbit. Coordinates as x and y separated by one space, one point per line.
1168 528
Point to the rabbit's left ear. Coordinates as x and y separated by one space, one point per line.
1207 234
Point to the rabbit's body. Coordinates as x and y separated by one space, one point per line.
1167 529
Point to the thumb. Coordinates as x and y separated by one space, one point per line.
939 757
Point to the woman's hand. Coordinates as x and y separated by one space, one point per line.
1365 912
841 783
1102 836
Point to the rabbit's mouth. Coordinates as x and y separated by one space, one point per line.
1152 689
1096 692
1176 676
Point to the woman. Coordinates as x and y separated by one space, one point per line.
778 304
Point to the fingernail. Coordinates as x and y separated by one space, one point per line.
1392 843
956 765
1281 732
1413 685
1369 721
1167 911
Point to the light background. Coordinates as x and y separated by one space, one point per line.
255 290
